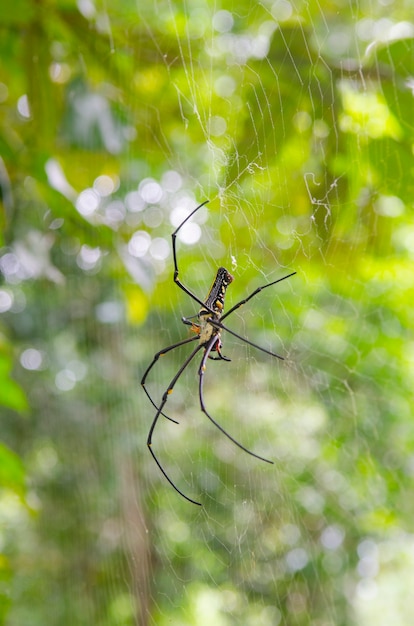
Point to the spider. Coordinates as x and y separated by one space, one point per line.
207 331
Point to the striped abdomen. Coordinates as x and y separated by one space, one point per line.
214 302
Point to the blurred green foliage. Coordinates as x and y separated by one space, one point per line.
296 123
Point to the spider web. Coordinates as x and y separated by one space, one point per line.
295 541
293 120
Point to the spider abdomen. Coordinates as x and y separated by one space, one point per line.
217 293
214 307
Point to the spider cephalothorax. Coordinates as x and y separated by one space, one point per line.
207 329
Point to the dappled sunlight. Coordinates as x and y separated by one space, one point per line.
289 128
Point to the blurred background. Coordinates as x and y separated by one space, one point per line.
295 121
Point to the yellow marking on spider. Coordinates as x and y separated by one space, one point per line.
169 391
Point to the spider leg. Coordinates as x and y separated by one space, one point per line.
195 326
151 365
219 358
176 278
255 292
187 320
201 370
220 325
159 412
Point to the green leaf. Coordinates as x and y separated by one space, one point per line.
12 474
12 395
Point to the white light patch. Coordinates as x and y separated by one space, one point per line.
110 312
171 181
115 213
65 380
225 86
260 47
87 8
9 264
153 217
296 559
150 190
223 21
134 202
139 244
104 185
159 249
190 234
23 107
389 206
31 359
281 10
332 537
6 301
87 202
218 125
57 179
59 72
88 257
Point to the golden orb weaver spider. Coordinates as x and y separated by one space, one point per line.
207 330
